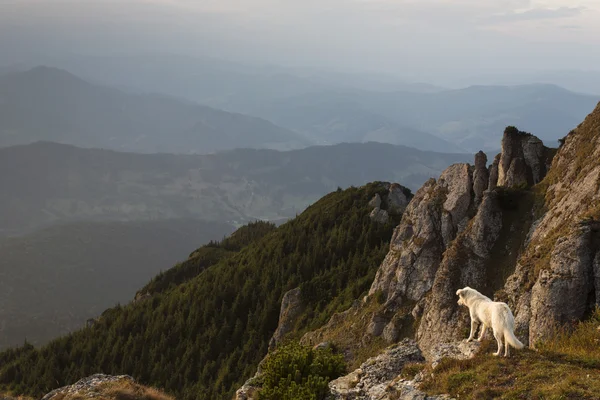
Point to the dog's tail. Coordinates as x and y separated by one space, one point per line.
510 337
509 329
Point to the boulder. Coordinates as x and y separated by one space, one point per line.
89 387
378 377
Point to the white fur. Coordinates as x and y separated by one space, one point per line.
492 314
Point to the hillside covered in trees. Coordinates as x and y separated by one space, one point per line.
199 330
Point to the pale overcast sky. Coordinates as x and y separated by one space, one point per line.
409 37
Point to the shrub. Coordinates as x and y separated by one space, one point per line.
295 372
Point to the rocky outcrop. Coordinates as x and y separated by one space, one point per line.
555 282
379 215
476 226
465 263
481 176
466 228
291 308
523 159
437 213
86 388
247 392
398 198
379 377
394 202
493 172
459 350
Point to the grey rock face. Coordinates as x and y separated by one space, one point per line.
522 161
394 202
493 182
457 180
464 264
377 325
436 214
375 201
561 294
519 301
556 280
391 332
414 249
380 216
291 307
516 174
397 199
378 377
480 176
87 387
534 154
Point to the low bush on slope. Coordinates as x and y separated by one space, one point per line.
203 338
567 366
295 372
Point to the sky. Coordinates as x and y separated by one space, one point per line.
417 38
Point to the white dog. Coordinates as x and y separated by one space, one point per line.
492 314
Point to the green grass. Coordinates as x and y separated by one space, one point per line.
566 366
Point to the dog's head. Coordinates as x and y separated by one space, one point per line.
461 295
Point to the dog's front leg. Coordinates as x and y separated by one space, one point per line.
482 333
473 328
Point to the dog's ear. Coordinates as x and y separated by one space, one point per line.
459 292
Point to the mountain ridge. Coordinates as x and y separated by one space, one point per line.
52 104
236 186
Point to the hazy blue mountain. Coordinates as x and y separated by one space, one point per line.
472 118
50 104
46 183
336 107
341 117
581 81
52 280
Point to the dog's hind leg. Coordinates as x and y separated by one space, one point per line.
482 332
498 336
506 348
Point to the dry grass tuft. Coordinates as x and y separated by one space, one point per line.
130 391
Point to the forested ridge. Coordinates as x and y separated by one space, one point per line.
206 324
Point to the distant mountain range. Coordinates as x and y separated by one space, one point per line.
52 280
328 107
46 183
308 107
51 104
471 119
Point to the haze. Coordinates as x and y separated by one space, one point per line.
438 41
134 132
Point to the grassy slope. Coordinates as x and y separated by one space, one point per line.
566 366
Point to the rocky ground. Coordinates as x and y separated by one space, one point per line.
106 387
384 377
